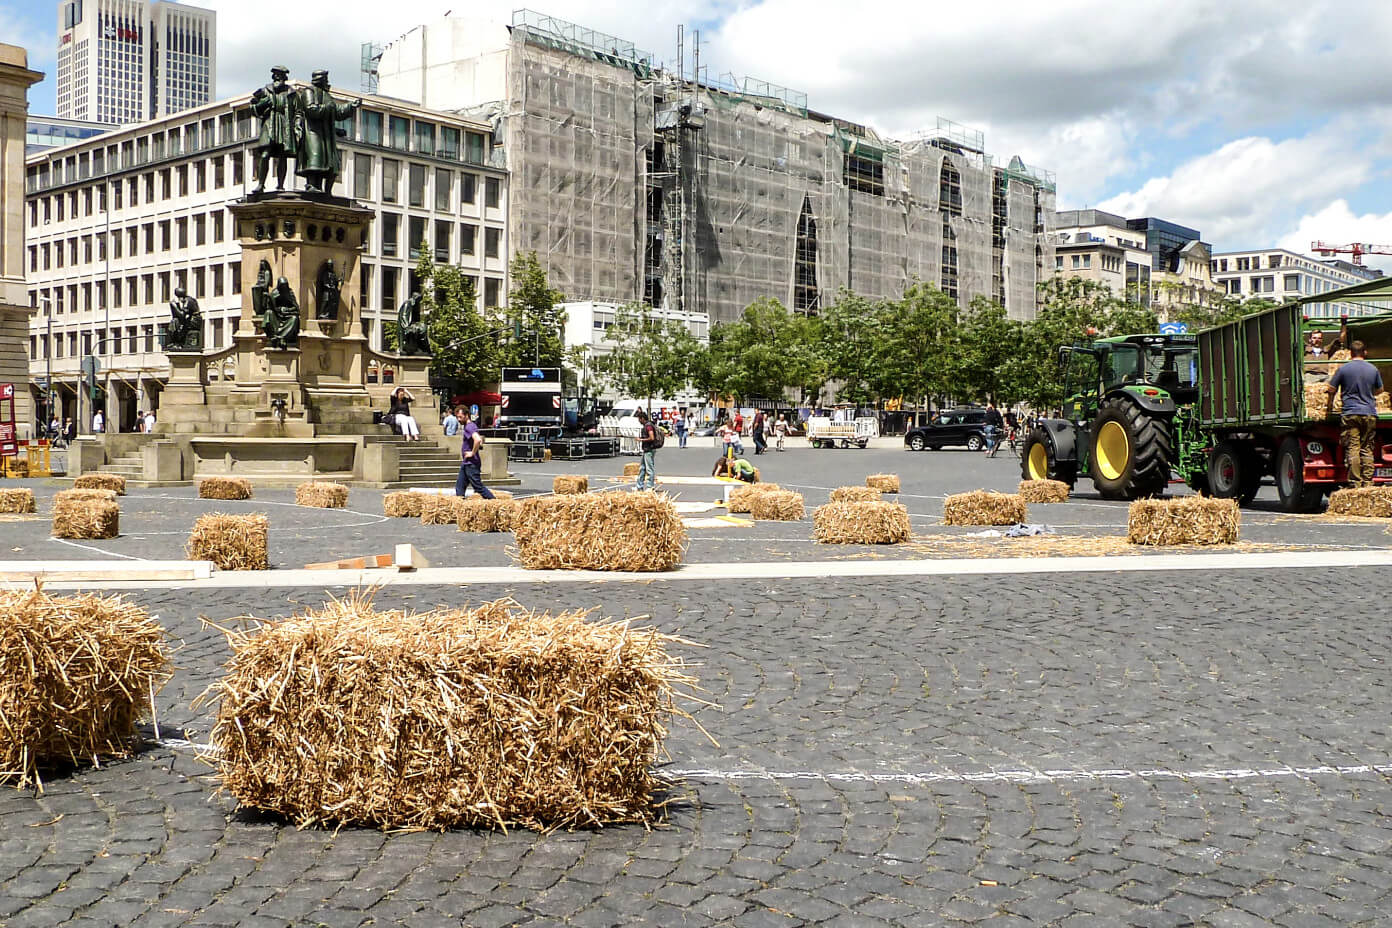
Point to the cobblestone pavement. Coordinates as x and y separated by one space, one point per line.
155 522
1152 749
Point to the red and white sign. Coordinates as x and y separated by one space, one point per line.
8 446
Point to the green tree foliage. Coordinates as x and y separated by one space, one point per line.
463 339
1218 311
850 333
765 352
651 357
534 324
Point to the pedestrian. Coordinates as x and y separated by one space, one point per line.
680 426
994 424
650 439
139 421
401 412
69 431
760 444
739 423
738 468
55 429
780 432
98 422
471 459
451 422
1358 380
149 422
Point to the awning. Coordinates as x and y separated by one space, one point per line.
477 398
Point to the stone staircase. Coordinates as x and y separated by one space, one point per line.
425 464
130 465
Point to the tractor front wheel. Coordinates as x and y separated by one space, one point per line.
1131 452
1039 460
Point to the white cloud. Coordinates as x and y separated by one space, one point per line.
1337 224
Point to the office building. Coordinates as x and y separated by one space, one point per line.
117 222
637 182
15 81
127 61
1151 261
1281 275
41 132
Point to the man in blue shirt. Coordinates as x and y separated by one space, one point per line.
471 465
1358 381
451 422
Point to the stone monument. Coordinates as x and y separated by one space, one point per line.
15 79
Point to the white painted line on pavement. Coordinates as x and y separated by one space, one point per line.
1008 775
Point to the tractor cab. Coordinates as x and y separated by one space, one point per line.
1141 364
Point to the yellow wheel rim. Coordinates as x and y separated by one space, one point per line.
1113 450
1039 462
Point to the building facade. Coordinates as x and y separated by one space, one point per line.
634 183
127 61
1151 261
117 222
41 132
1281 275
15 80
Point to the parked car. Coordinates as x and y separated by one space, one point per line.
952 427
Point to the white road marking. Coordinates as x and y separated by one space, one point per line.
1029 775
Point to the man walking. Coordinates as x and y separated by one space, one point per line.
471 467
1358 380
651 441
681 426
994 424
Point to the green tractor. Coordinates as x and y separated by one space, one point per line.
1129 407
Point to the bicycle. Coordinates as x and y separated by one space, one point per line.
1011 440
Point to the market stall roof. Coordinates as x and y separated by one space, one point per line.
477 398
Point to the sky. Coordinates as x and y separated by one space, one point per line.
1258 122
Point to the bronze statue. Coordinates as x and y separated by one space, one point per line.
185 331
317 158
330 289
261 291
412 337
274 105
281 323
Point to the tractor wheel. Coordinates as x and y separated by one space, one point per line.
1039 460
1295 496
916 443
975 443
1234 472
1131 452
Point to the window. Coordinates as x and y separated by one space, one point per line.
468 189
164 287
1292 283
416 190
425 138
417 236
389 279
132 345
468 239
391 178
219 174
1273 261
164 235
200 176
400 133
1077 261
147 333
449 142
391 234
216 275
371 127
492 291
217 226
442 239
492 192
362 176
181 232
444 184
1235 285
200 229
473 147
1087 260
234 274
492 239
198 288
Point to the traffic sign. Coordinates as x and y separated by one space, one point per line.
90 367
1174 328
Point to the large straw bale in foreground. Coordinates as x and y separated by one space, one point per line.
742 497
439 509
75 674
402 505
86 518
232 542
1188 520
856 495
874 523
1365 501
599 531
18 499
982 507
224 488
1044 491
101 482
489 717
321 494
885 483
778 506
566 483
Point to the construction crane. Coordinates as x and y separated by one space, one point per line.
1357 249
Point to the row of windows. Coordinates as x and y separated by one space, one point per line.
440 243
180 180
423 185
152 289
150 238
1290 283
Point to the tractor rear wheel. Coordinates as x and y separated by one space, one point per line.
1039 460
1294 494
1131 452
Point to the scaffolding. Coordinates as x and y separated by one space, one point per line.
552 32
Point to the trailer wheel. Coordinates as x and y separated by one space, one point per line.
1233 473
1039 460
1291 488
1131 452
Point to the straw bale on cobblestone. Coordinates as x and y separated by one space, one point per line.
86 518
101 482
778 506
18 499
861 523
402 505
564 483
856 495
231 542
1364 501
885 483
1044 491
320 494
742 497
439 508
599 531
1188 520
983 507
631 469
224 488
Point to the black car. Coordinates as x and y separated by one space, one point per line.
953 427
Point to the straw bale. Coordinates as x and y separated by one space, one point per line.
1318 398
101 482
742 497
477 514
982 507
19 499
861 523
86 518
232 542
1188 520
1044 491
490 717
402 505
778 506
321 495
224 488
631 469
570 484
856 495
73 495
599 531
1383 400
1341 355
76 672
439 509
1375 502
885 483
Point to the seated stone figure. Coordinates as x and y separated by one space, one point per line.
281 322
413 337
185 332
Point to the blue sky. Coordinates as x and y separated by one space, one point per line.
1259 122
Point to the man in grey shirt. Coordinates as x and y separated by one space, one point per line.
1358 381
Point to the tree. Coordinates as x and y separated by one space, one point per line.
917 350
764 353
849 335
989 363
650 357
463 340
1216 312
534 323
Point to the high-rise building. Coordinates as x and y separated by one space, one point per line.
125 61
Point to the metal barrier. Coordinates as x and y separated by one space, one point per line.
38 460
